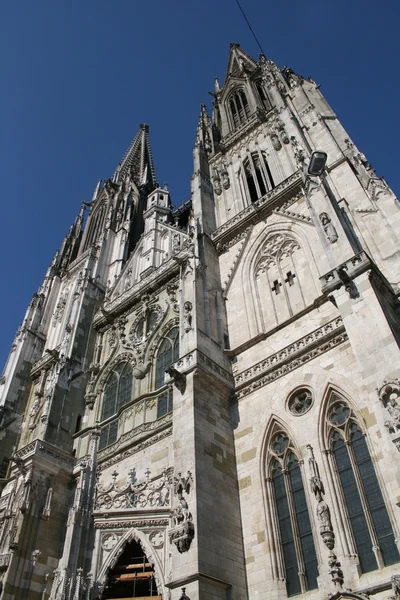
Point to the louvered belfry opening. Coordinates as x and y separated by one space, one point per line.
132 576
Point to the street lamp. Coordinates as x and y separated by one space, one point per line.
317 163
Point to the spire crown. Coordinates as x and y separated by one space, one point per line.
137 162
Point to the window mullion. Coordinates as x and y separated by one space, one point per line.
375 544
246 185
296 535
263 170
254 176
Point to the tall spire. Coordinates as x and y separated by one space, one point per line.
138 161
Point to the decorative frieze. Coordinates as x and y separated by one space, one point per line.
293 356
129 523
149 493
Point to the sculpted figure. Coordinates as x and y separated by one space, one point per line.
329 229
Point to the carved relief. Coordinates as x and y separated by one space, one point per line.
389 395
187 316
157 538
182 533
329 229
300 402
149 493
109 541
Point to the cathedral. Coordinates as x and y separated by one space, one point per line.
203 401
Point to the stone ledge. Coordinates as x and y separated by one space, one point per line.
289 358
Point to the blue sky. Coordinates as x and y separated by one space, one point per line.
79 76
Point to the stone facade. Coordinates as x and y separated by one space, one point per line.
213 390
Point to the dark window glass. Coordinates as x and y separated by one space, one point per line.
118 390
303 523
167 354
125 386
108 434
354 506
164 404
373 494
286 531
110 397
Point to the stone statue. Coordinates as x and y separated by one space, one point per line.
329 229
217 184
225 179
324 516
187 316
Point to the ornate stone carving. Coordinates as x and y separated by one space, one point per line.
187 316
149 493
300 402
217 183
109 541
157 538
276 142
226 184
183 595
179 379
305 349
389 395
5 561
182 533
299 152
395 581
324 518
329 229
131 523
59 309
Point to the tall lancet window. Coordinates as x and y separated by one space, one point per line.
361 495
289 507
117 393
239 107
256 176
167 354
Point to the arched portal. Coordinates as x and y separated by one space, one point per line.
133 576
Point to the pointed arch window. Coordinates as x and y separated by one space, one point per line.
257 177
362 497
167 354
118 390
239 107
296 543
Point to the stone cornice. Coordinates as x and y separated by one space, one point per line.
295 355
255 212
128 524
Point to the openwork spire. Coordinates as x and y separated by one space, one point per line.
138 161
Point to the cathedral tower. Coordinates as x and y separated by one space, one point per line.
203 401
